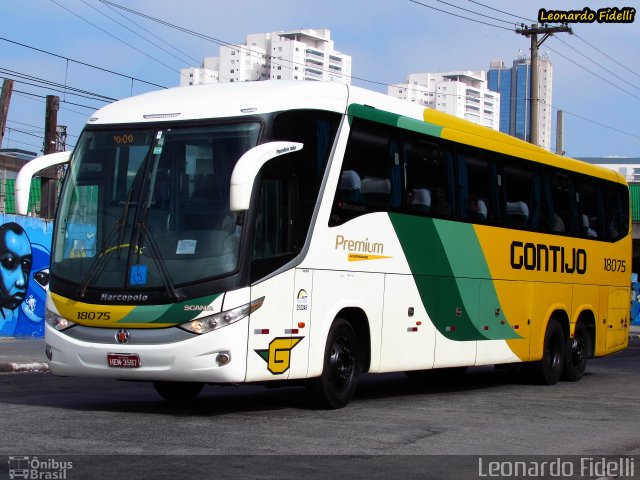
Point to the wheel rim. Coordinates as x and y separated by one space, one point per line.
578 350
341 363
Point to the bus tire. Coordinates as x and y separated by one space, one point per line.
575 361
548 370
178 391
337 384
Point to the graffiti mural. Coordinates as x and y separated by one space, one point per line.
24 275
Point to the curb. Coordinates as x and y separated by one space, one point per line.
18 367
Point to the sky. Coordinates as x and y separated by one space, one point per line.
596 71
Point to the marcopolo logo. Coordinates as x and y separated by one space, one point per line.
40 469
108 297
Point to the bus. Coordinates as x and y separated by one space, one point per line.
312 232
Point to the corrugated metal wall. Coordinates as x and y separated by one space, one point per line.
634 189
7 199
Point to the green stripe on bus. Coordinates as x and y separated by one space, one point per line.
452 277
173 314
393 119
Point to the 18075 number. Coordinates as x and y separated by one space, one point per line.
94 315
614 265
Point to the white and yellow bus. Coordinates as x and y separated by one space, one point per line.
289 230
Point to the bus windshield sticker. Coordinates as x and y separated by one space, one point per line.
157 150
138 275
186 247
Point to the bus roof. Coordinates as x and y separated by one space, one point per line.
223 100
250 98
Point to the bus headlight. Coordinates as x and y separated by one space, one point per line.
56 321
222 319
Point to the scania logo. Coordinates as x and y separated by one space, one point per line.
122 336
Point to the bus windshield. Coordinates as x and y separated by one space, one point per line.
149 208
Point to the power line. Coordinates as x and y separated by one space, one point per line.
594 74
61 101
133 31
153 34
503 12
603 125
82 63
58 87
606 55
39 129
113 36
597 64
462 16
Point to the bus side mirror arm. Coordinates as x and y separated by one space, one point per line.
26 173
247 168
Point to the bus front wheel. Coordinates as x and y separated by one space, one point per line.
337 384
178 391
548 370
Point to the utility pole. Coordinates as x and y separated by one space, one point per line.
5 98
533 32
560 133
48 177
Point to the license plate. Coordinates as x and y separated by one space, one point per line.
123 360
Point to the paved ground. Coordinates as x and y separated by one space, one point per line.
27 354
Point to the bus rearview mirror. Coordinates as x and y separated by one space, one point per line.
247 169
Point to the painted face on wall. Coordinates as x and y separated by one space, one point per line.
15 265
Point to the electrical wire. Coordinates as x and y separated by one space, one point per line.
462 16
58 87
606 55
39 129
502 11
115 37
594 74
596 63
82 63
132 31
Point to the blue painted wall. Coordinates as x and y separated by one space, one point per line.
27 319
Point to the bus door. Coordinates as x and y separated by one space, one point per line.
273 340
407 332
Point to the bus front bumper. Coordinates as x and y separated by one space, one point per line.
215 357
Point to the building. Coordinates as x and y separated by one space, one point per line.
464 94
513 84
628 167
306 54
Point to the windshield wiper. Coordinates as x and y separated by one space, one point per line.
165 276
101 262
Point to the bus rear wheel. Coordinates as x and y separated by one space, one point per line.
337 384
576 355
178 391
549 369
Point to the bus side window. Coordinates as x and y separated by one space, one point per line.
522 195
370 176
590 212
478 187
616 201
560 205
429 178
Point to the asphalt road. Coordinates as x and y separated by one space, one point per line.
394 426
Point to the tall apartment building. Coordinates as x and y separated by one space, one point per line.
513 84
306 54
464 94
